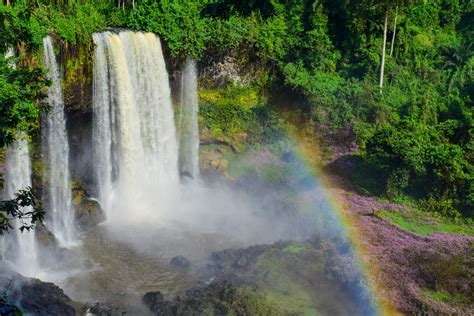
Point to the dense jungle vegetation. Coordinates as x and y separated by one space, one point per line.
396 73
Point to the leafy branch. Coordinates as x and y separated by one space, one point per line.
24 208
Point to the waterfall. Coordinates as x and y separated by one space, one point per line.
24 257
58 198
134 137
19 248
188 121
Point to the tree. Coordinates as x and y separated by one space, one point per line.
21 94
386 6
394 30
382 63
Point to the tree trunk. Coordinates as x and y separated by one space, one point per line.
394 30
382 66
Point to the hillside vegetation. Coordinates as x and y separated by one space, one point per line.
398 74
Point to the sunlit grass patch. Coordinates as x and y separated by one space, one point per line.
296 248
443 297
426 224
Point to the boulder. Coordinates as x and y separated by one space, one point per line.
220 298
34 297
101 309
154 300
9 310
88 212
44 236
180 262
219 165
44 298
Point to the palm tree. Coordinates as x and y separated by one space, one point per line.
457 61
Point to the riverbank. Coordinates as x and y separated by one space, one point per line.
417 262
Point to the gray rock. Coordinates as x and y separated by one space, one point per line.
88 212
154 300
180 262
35 297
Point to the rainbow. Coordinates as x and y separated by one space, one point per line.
307 151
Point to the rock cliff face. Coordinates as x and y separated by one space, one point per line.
247 282
35 297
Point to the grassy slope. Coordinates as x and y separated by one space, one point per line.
423 223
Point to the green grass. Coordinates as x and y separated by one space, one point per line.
283 287
242 97
443 297
425 224
293 249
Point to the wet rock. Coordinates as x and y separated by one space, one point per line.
224 71
35 297
220 298
220 165
9 310
154 300
180 262
40 298
101 309
222 149
233 141
236 260
88 211
89 214
44 236
44 298
185 174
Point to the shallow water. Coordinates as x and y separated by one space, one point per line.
120 267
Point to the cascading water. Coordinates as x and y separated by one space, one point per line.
18 177
58 200
135 146
19 248
188 122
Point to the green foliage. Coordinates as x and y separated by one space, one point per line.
410 149
296 248
17 208
417 133
424 223
75 23
177 22
443 297
225 35
235 109
19 25
20 90
225 119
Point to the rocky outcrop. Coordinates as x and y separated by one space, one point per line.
226 71
238 260
88 211
241 281
216 299
43 298
35 297
180 262
101 309
154 301
212 162
44 236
